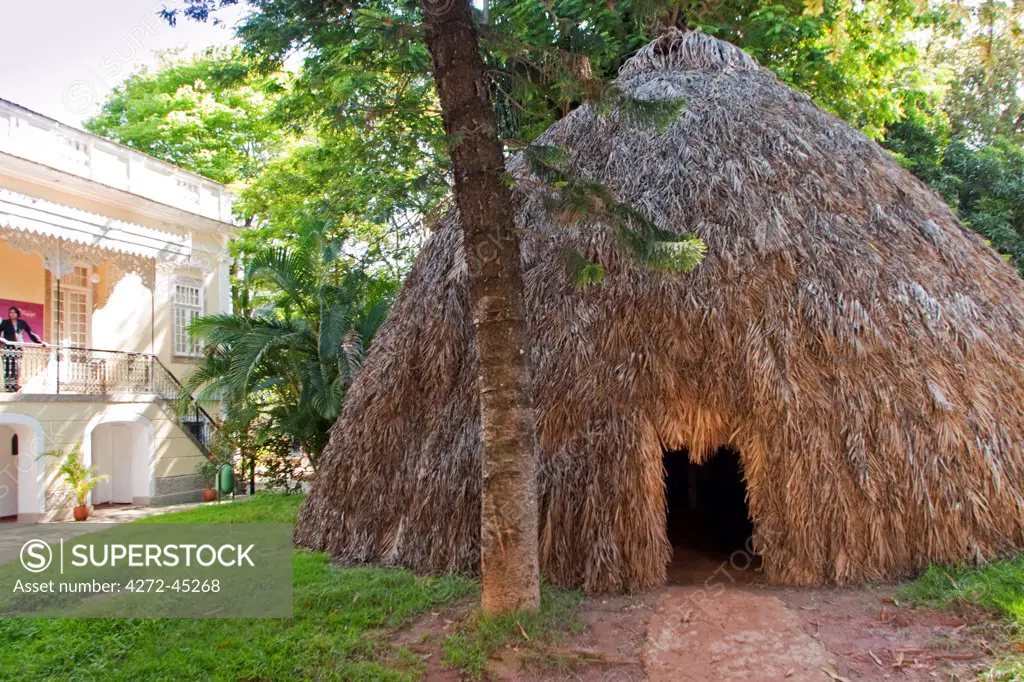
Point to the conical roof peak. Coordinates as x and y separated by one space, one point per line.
677 50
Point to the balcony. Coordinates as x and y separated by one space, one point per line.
51 370
42 370
33 137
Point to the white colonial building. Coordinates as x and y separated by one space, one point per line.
109 254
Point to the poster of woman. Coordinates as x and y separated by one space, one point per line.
22 324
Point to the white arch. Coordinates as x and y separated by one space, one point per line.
143 461
31 468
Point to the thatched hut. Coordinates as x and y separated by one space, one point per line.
855 348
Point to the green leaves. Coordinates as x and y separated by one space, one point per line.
548 163
207 114
860 60
549 56
665 251
654 115
291 363
989 192
573 200
583 272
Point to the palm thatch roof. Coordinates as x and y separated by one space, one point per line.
858 346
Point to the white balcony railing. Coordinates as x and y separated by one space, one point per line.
45 369
34 369
31 136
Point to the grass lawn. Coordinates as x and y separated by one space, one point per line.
342 620
998 586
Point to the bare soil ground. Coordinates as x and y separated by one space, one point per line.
715 622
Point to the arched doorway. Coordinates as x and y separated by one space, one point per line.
120 449
22 487
10 472
708 521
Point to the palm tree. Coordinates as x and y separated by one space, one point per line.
291 361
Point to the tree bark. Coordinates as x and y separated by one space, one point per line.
509 568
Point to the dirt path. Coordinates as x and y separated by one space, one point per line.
870 635
756 632
729 634
734 627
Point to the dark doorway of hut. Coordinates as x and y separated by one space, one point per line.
708 521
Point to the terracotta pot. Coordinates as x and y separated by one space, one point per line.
81 513
209 495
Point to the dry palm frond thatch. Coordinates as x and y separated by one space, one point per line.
859 347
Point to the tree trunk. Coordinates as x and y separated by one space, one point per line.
508 534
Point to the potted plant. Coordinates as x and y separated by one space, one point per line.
207 470
79 478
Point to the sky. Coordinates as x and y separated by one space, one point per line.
62 57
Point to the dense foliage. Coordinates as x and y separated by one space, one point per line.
284 368
349 148
209 114
939 82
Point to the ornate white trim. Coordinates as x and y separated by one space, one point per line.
125 265
59 254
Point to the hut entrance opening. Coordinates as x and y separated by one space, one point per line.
708 519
